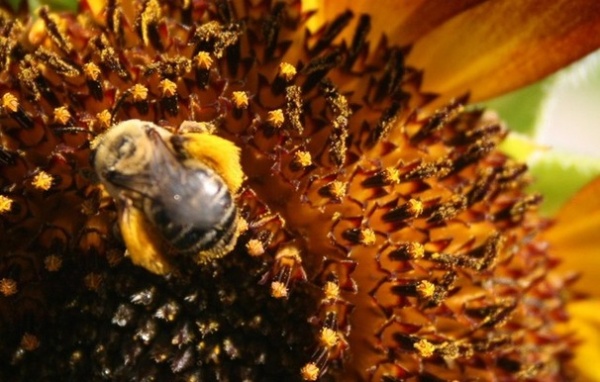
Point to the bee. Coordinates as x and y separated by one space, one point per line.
175 193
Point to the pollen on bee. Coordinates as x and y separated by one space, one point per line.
278 289
92 281
331 290
287 71
10 102
5 204
367 236
91 71
240 99
255 248
29 342
167 87
139 92
275 118
8 287
62 115
425 289
328 337
52 263
203 60
425 348
302 159
310 372
42 181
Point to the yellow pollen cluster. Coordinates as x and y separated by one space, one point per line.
329 338
417 251
240 100
139 92
391 175
337 189
203 60
278 289
275 118
302 158
62 115
287 71
310 372
42 181
425 289
367 236
415 207
425 348
255 247
331 290
167 87
8 287
91 71
104 117
5 204
10 102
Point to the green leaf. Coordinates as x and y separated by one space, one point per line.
15 4
558 176
521 109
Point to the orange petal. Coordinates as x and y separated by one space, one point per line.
575 237
402 21
498 46
585 322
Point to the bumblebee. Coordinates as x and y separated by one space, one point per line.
174 192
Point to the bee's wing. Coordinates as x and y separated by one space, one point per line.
141 242
218 153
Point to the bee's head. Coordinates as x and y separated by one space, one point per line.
125 151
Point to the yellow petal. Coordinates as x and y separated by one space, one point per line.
498 46
402 21
575 237
585 322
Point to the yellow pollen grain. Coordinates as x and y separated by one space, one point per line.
417 251
331 290
415 207
278 289
240 100
203 60
62 115
302 158
287 71
276 118
104 117
255 247
337 189
42 181
167 87
425 348
52 263
91 71
310 372
425 289
367 236
242 225
391 175
328 338
139 92
8 287
92 281
29 342
10 102
5 204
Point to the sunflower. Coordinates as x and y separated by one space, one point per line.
387 238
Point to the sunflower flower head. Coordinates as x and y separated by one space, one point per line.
384 238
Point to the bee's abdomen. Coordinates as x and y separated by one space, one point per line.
200 216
